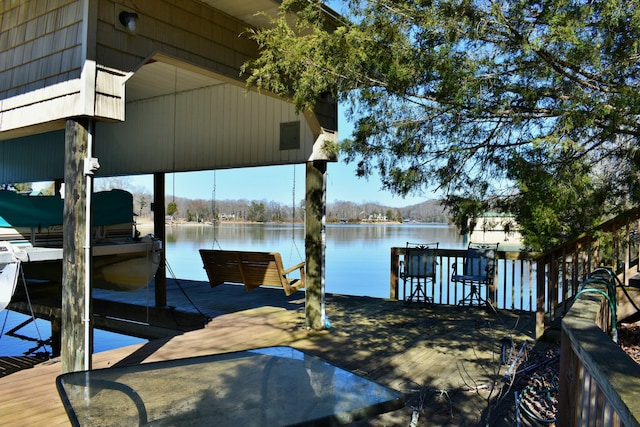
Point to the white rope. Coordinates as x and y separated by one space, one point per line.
41 342
293 220
213 214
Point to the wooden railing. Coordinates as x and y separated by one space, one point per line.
513 289
598 383
614 244
544 283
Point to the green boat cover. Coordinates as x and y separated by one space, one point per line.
16 210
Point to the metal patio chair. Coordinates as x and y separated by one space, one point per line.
478 271
417 269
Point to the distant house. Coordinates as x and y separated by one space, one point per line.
377 217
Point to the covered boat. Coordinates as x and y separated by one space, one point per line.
9 271
122 260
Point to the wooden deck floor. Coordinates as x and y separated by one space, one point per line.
446 359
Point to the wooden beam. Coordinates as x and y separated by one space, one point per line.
121 318
76 343
315 243
144 322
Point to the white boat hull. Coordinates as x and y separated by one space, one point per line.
32 225
9 271
117 265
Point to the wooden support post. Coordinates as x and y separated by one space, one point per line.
55 336
160 280
393 274
76 321
315 243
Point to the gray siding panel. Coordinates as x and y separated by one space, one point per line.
186 30
40 42
211 128
34 158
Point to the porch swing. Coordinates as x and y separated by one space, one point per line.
253 269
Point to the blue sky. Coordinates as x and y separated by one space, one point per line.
275 183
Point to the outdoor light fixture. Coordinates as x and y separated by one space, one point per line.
129 20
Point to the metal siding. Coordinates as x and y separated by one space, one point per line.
216 127
187 30
161 126
227 151
33 158
182 123
266 144
229 148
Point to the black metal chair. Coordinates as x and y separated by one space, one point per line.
417 269
478 270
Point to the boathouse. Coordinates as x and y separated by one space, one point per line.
124 87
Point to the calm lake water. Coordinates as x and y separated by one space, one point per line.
357 256
357 263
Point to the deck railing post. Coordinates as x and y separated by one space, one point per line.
540 296
393 274
491 288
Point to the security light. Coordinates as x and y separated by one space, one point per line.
129 20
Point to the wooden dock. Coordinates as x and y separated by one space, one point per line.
446 359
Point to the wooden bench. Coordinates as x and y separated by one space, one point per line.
252 269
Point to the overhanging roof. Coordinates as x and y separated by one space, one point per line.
248 11
197 103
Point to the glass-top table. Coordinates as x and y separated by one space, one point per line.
272 386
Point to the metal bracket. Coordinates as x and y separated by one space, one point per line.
91 165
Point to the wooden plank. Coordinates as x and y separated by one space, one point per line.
11 364
406 347
221 266
253 269
592 364
144 322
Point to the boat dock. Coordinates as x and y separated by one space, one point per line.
447 360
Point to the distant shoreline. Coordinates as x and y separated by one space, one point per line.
147 221
145 225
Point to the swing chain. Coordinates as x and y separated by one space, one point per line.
293 217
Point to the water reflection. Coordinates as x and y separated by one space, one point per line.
357 262
357 255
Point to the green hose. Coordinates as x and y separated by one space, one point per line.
612 305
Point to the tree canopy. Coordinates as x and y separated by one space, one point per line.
530 105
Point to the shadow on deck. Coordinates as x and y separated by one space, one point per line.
446 359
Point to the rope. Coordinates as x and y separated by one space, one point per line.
173 276
41 342
293 219
213 214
